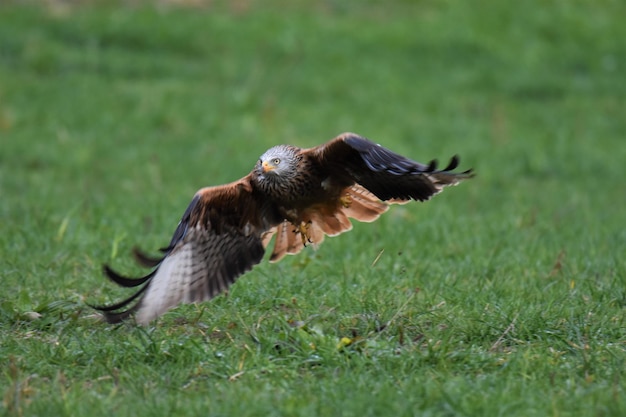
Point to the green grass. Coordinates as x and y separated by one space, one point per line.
503 296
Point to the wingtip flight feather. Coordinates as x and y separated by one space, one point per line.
125 281
454 162
146 260
111 313
432 166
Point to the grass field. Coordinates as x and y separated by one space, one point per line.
504 296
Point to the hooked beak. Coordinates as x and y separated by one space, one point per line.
267 167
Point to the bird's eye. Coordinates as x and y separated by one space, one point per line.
276 161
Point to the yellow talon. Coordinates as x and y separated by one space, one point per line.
303 229
346 200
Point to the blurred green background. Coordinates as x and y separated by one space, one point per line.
503 296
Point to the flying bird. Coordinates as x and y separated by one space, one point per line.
297 196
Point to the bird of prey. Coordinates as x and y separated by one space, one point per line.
296 196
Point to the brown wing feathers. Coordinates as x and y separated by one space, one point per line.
206 254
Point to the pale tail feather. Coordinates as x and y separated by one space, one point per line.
329 223
365 206
286 241
324 220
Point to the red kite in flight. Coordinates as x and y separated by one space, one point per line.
297 195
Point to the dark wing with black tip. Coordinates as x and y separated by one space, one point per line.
386 174
218 239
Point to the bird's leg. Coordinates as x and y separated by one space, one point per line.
345 200
303 229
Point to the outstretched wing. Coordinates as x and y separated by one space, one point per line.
219 237
384 173
356 175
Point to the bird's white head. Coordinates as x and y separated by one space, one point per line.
279 161
277 169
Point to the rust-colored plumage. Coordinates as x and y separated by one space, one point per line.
297 196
